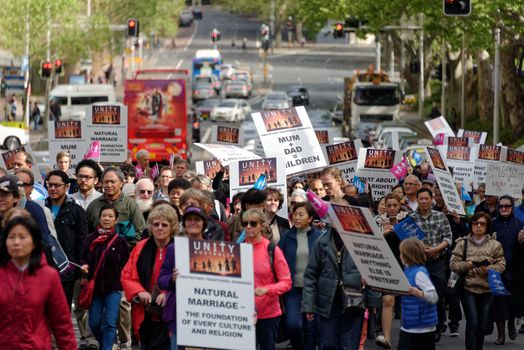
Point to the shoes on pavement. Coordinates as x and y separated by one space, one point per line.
453 332
383 342
500 341
512 333
437 336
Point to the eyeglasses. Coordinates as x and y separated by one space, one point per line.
24 184
249 223
160 224
478 223
505 206
85 177
50 185
146 191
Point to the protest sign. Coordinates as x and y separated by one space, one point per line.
505 177
344 156
368 248
288 133
462 160
69 136
209 168
325 136
107 123
227 134
408 228
7 162
496 284
477 137
445 181
227 153
486 154
259 149
439 126
458 141
374 166
401 169
244 174
214 294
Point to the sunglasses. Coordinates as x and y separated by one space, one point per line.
146 191
505 206
478 223
250 223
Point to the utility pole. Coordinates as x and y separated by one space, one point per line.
391 56
444 79
48 57
421 77
496 88
272 22
463 86
27 62
378 50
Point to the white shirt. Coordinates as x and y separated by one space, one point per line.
85 201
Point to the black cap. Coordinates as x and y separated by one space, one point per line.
9 183
192 210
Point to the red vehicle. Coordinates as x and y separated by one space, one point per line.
157 101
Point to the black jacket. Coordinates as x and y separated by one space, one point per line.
71 230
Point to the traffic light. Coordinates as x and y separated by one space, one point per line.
339 30
58 66
132 27
457 7
47 67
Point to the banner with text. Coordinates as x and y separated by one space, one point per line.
69 136
487 154
478 137
227 153
288 133
374 165
345 157
445 181
506 177
368 248
210 168
462 160
214 294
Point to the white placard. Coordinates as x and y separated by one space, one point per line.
504 178
477 137
487 154
215 295
107 123
230 135
368 248
445 181
227 153
288 133
374 166
344 156
439 126
462 160
209 168
244 174
69 136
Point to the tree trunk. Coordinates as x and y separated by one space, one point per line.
298 31
484 84
511 90
278 35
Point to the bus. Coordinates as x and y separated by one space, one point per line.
207 62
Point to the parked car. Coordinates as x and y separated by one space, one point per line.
211 79
202 91
12 138
276 100
236 88
299 95
185 19
231 110
383 135
203 108
197 13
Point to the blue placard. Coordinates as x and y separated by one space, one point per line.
496 284
261 182
59 255
408 228
359 184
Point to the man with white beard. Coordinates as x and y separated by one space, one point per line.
144 195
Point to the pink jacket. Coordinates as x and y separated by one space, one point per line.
268 305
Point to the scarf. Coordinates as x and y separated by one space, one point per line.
146 263
103 235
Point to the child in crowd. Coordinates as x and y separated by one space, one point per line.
419 311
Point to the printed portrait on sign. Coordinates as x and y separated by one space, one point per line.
70 129
515 156
379 159
322 136
437 160
489 152
281 119
215 258
250 170
229 135
352 219
458 153
341 152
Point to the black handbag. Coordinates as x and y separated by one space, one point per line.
351 297
456 280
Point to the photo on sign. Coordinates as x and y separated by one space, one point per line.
229 135
458 153
341 152
106 115
436 124
212 167
352 219
458 141
489 152
250 171
379 159
475 135
70 129
322 136
437 160
515 156
281 119
214 258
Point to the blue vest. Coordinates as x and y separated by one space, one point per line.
416 313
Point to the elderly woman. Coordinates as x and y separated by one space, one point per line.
140 275
32 300
277 224
483 253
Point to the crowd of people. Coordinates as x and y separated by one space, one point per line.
116 225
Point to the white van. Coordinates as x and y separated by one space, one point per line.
74 99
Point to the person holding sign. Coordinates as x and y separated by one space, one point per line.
296 245
483 253
272 278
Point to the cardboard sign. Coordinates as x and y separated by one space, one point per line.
227 134
504 178
445 181
215 294
344 156
485 155
368 248
69 136
227 153
477 137
462 160
288 133
374 166
439 126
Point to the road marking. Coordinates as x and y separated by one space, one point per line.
192 36
179 63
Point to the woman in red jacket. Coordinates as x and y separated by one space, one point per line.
270 281
140 275
32 301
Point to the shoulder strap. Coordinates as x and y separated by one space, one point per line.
465 251
104 255
271 252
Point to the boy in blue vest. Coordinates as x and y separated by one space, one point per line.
419 311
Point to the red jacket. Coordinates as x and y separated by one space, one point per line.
31 307
131 282
268 305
